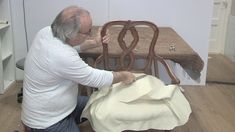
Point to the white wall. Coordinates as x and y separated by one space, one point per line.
190 18
40 13
20 47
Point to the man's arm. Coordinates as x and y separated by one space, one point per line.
70 66
89 44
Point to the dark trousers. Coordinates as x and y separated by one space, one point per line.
68 124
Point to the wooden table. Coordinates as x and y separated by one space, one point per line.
169 45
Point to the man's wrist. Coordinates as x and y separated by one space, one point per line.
117 77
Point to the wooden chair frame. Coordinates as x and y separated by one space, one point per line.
127 52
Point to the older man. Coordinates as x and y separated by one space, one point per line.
53 68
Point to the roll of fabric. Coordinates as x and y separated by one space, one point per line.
145 104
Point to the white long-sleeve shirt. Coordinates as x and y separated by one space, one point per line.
52 71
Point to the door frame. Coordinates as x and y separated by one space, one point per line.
223 23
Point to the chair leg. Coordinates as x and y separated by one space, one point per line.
20 96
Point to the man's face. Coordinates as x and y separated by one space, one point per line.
85 31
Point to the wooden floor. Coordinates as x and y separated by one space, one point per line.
220 69
213 109
10 110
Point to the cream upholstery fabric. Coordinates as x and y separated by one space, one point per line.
145 104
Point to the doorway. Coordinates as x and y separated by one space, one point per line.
221 12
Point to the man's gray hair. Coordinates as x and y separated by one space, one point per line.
64 27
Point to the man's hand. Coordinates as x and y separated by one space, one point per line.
98 38
95 41
129 77
123 76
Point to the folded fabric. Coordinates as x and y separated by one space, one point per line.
146 104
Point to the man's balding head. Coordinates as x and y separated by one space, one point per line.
72 11
69 22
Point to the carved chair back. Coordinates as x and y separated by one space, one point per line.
127 55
